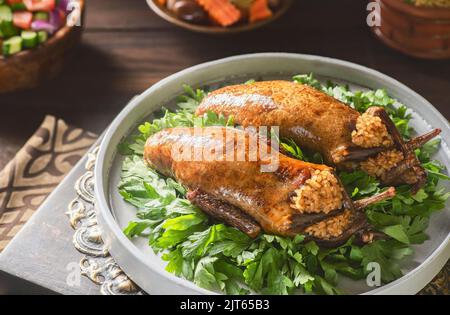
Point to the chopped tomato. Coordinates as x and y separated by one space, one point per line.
40 5
22 19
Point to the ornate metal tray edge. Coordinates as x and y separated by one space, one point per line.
96 264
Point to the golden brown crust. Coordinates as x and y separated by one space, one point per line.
266 197
317 121
300 111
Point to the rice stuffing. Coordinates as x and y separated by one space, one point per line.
320 193
371 132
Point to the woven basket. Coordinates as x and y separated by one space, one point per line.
416 31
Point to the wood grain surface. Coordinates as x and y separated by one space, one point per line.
126 48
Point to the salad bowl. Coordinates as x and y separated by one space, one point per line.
28 68
147 269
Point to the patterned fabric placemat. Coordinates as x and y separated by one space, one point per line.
36 170
43 162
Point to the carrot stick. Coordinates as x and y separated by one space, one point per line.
259 10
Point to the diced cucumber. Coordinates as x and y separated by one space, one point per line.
5 13
12 46
29 39
7 27
18 6
42 36
41 16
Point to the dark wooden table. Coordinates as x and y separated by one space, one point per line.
126 48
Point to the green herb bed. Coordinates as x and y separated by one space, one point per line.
218 257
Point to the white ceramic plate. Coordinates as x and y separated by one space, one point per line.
138 260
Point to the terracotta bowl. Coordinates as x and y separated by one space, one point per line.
29 68
416 31
167 15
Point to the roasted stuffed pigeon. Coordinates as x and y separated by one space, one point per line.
224 177
314 120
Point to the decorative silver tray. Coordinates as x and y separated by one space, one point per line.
97 264
146 269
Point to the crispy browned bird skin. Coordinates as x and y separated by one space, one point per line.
306 115
311 118
266 197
